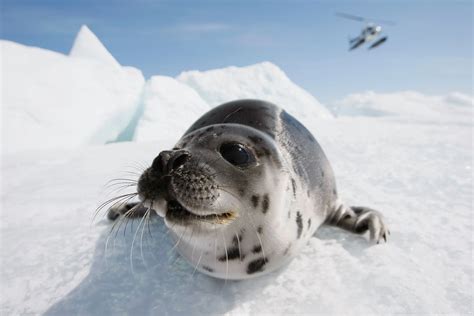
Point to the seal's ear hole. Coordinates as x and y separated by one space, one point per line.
236 154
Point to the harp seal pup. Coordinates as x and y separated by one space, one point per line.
244 189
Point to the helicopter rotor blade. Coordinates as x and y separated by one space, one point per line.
350 16
362 19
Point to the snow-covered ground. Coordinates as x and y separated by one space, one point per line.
412 161
407 105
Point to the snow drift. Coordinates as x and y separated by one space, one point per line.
165 100
261 81
407 105
53 100
196 92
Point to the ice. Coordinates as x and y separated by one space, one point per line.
260 81
196 92
418 175
88 46
52 100
166 99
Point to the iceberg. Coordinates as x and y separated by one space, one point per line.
53 100
88 46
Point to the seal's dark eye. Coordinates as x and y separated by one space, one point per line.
235 153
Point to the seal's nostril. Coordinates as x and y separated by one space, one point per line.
158 164
169 160
180 159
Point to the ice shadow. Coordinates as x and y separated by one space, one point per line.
356 245
160 281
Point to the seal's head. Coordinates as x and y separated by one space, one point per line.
219 190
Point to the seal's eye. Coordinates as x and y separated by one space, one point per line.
236 154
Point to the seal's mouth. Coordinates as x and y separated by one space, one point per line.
177 212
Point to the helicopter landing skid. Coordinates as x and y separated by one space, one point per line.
380 41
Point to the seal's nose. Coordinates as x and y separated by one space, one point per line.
170 160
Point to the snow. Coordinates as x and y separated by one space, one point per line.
55 259
165 98
88 46
48 99
260 81
196 92
404 105
406 154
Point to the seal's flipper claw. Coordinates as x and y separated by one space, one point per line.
131 210
359 220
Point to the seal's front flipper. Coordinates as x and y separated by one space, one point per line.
130 210
359 219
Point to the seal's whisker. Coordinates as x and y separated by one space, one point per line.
194 245
111 189
197 264
149 221
136 173
128 216
115 184
166 234
226 258
192 256
112 203
179 239
109 234
133 242
120 180
124 217
227 191
146 217
138 166
238 244
114 199
168 231
215 243
237 199
121 188
251 220
225 249
112 229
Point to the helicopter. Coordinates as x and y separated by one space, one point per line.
371 32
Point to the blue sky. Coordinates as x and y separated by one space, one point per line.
429 50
